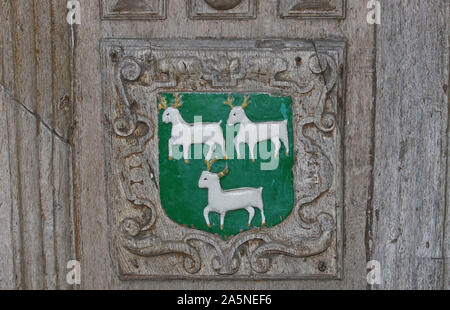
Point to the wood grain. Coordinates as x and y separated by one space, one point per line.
396 156
36 153
7 277
411 131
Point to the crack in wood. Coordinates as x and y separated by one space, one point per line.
37 117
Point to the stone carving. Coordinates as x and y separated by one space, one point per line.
312 8
136 72
134 9
222 9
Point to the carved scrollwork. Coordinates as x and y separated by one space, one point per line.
324 65
297 247
227 261
151 245
272 70
224 70
128 69
171 72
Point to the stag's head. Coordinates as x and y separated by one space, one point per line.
171 114
237 114
208 178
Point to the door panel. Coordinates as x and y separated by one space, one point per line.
267 32
361 160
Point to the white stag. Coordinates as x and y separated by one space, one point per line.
185 134
252 133
220 201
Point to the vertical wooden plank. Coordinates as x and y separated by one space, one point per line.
30 198
411 139
10 271
62 153
61 68
64 217
46 200
44 109
63 116
7 270
447 204
44 55
13 138
7 52
27 126
23 29
8 81
35 70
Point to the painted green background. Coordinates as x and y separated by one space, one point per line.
181 197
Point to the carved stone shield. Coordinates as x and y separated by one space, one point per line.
165 208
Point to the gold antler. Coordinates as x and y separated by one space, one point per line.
178 103
210 163
163 104
229 102
245 104
224 173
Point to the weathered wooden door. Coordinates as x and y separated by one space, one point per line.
327 119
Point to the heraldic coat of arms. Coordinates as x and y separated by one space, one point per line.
224 158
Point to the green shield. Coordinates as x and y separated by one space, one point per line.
181 197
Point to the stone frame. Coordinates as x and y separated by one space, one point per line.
144 242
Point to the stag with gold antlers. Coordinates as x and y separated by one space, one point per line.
252 133
185 134
222 202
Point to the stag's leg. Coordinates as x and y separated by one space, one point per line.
284 137
260 206
224 151
264 223
252 146
186 149
206 215
277 144
286 144
251 214
222 219
170 149
237 143
212 148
